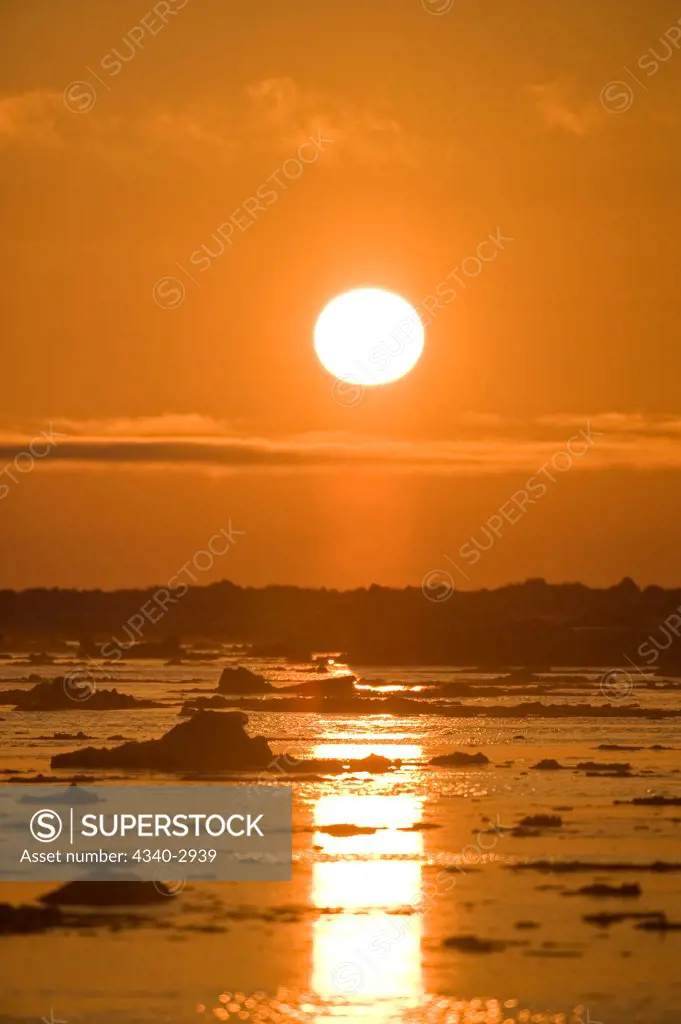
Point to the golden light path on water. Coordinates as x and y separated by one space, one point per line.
371 953
394 751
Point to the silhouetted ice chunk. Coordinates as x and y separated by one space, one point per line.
62 694
342 830
654 801
9 697
542 821
241 680
616 767
336 686
604 920
70 796
568 867
617 746
374 763
119 892
472 944
65 736
208 742
459 759
192 707
25 920
659 924
599 890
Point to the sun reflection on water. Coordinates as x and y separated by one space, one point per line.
371 953
345 751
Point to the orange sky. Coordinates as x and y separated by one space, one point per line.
438 131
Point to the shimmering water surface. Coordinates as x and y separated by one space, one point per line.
360 932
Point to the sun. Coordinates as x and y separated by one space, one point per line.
369 336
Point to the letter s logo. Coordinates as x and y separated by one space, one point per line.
45 826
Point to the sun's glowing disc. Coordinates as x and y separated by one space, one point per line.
369 336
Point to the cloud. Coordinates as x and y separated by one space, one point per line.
277 115
293 113
560 113
164 426
616 440
272 115
31 118
618 423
